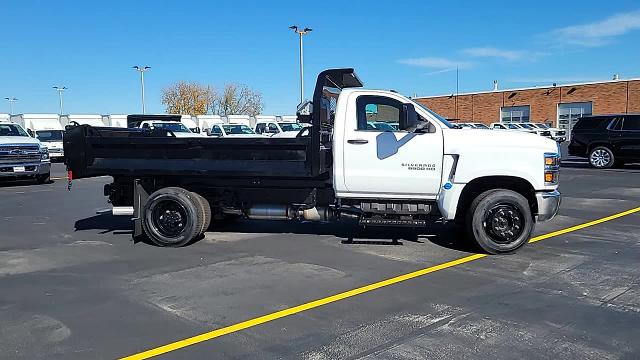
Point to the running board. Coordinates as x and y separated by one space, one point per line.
392 222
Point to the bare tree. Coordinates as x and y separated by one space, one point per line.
188 98
238 99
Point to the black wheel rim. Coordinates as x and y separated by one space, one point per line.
169 218
504 223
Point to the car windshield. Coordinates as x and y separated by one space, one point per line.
541 126
527 126
481 126
174 127
463 125
437 116
49 135
237 129
12 130
513 126
291 127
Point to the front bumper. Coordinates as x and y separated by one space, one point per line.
31 169
548 204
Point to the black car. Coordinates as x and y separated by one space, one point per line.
607 140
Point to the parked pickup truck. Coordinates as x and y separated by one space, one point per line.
496 184
22 156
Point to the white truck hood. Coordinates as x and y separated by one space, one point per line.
483 153
18 140
52 144
456 141
188 135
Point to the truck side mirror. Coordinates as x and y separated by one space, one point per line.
197 129
304 111
409 119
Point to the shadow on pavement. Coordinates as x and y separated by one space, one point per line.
445 235
107 223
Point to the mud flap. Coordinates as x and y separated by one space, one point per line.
140 197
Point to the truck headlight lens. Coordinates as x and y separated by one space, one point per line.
551 168
44 154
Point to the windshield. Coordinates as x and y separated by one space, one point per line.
512 126
237 129
481 126
290 126
527 126
49 135
437 116
12 130
174 127
541 126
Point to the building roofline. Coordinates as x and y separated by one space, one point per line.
529 88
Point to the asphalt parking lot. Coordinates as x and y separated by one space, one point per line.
74 286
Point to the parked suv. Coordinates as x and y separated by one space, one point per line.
607 140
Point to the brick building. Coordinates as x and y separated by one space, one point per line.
557 105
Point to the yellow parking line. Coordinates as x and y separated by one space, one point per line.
347 294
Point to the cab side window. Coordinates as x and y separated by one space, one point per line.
379 113
215 130
273 129
260 128
631 123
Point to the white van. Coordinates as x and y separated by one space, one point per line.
48 129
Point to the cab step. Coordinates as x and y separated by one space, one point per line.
392 222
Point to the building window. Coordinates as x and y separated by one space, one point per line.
569 113
515 113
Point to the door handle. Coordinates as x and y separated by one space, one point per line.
357 141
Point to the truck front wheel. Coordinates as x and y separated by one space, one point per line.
173 217
500 221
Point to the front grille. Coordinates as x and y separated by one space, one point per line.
18 154
546 133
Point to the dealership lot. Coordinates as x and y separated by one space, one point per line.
74 286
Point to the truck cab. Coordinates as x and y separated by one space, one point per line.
276 128
178 129
232 131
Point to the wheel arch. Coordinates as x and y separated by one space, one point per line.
479 185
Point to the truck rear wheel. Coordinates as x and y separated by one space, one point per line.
206 209
173 217
500 221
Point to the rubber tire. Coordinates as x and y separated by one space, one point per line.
607 166
206 209
475 229
195 217
43 179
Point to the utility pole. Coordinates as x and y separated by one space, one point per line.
11 100
301 33
142 70
457 82
60 90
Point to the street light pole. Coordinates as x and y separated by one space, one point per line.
60 90
11 100
301 33
142 70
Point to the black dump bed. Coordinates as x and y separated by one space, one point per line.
92 151
137 152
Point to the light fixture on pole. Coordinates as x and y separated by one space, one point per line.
142 70
301 33
11 100
60 90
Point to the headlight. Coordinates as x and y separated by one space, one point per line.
44 153
551 168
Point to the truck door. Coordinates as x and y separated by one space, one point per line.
381 161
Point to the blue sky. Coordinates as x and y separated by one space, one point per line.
410 46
